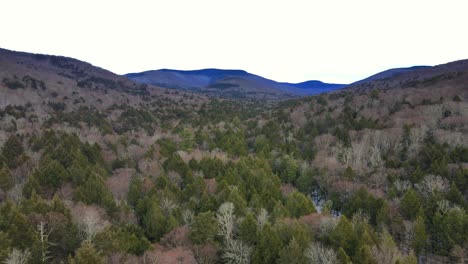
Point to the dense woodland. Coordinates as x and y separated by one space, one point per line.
97 169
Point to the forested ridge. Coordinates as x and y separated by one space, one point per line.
97 169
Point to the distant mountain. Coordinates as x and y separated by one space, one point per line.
230 83
316 87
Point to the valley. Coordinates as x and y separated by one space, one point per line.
224 166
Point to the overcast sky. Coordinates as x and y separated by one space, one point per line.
287 40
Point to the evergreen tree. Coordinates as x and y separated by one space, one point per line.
248 229
298 204
293 253
420 236
268 246
343 257
87 254
204 228
410 204
12 150
156 223
5 244
363 256
6 181
188 140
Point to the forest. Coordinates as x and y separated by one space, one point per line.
94 172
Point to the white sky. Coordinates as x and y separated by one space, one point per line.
287 40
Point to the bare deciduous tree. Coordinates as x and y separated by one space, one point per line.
187 216
432 183
90 220
318 254
225 217
168 205
236 252
262 218
17 256
402 185
327 225
44 240
16 193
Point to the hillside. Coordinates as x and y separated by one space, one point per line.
453 73
97 168
230 83
390 73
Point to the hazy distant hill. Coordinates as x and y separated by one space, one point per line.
230 83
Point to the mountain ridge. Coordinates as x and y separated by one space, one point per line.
228 82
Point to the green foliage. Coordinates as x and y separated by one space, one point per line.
364 256
248 229
449 229
16 226
232 141
188 140
420 236
410 204
155 222
343 257
204 228
94 190
51 174
298 205
6 181
87 254
133 118
268 246
5 244
363 201
127 239
12 151
293 253
175 163
288 169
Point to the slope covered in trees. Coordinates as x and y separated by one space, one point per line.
98 172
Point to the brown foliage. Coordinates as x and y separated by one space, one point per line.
178 237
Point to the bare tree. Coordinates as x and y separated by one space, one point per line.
16 193
318 254
236 252
408 236
225 217
402 185
90 220
327 224
187 216
44 240
168 205
17 256
262 218
432 183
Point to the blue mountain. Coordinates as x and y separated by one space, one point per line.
230 83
